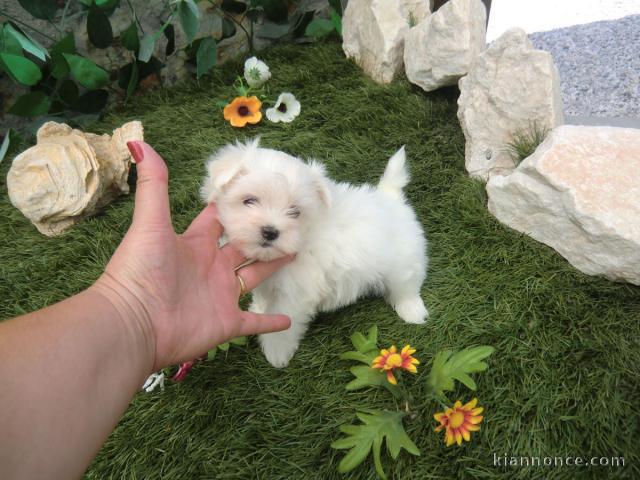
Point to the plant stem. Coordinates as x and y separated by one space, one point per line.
135 16
5 14
64 15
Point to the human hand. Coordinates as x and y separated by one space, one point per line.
179 292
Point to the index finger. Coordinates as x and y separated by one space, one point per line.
254 274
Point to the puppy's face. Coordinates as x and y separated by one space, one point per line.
267 200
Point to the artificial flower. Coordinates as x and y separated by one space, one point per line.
459 421
285 110
390 359
155 380
256 72
243 110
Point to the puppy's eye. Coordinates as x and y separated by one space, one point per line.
250 201
293 212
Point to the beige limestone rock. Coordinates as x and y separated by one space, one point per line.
510 88
415 11
70 174
373 35
579 193
443 47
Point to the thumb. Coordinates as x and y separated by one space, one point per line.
152 187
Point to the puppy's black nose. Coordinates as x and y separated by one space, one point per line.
269 233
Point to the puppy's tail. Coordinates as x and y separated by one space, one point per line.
396 175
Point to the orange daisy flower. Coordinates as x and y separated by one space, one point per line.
243 110
459 421
390 359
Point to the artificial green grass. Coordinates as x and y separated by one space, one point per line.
564 380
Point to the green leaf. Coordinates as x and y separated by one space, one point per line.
147 44
224 346
68 92
207 56
107 4
189 18
129 38
28 44
319 28
87 73
92 101
228 28
42 9
233 6
273 30
9 43
337 6
31 104
448 367
5 145
21 69
99 28
376 427
337 21
359 357
211 354
60 67
238 341
133 80
274 10
366 377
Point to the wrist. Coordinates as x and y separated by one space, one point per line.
130 313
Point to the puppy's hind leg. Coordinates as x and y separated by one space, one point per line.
403 294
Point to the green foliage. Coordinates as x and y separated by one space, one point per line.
207 56
99 28
376 427
269 19
21 69
526 141
211 354
4 147
449 366
27 43
41 9
189 18
31 104
87 73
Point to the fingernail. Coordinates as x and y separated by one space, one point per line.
136 151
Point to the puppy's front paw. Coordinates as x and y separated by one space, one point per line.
277 349
412 310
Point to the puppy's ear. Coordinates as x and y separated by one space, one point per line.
320 182
222 169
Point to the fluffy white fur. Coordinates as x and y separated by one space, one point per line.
349 240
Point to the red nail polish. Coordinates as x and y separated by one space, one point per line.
136 151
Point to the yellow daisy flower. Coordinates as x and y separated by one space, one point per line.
459 421
390 359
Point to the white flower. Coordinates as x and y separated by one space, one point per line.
285 110
154 380
256 72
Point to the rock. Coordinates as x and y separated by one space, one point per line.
373 35
579 193
415 11
511 88
70 174
442 48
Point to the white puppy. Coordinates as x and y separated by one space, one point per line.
349 240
